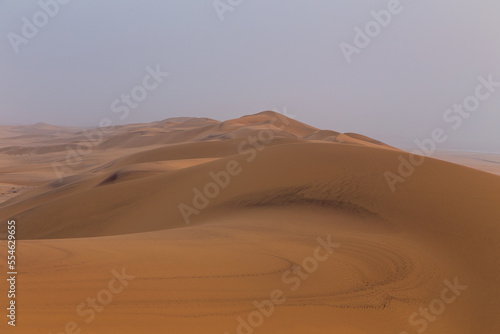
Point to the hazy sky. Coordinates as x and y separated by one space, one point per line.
265 54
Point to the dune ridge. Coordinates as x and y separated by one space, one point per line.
280 185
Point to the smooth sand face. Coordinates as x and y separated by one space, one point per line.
305 237
488 162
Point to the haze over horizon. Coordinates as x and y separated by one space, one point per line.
238 166
262 56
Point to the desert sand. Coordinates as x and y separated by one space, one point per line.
298 220
488 162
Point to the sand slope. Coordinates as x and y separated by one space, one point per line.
292 183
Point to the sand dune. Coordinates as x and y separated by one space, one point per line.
488 162
212 217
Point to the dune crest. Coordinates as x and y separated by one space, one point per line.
211 217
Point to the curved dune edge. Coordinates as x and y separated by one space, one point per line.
349 177
120 208
204 277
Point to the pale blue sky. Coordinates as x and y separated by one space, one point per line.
265 54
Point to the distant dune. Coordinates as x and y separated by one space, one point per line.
210 217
